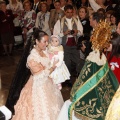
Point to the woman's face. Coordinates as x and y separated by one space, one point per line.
27 6
113 20
43 43
43 8
118 28
57 5
3 7
82 13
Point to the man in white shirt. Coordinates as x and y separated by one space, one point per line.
69 29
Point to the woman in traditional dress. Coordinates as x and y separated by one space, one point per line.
6 28
40 99
16 8
43 18
92 92
27 20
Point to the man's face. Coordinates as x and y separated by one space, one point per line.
92 21
69 13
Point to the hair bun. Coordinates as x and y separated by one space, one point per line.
35 33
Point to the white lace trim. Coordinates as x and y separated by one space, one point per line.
37 58
94 56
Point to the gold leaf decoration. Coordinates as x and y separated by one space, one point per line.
101 36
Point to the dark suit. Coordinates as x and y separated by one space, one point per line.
6 21
36 7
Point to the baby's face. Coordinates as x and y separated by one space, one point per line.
55 42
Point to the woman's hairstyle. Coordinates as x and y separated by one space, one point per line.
115 41
114 14
86 11
109 12
11 1
55 1
40 5
38 34
27 1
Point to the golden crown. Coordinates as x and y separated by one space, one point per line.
101 36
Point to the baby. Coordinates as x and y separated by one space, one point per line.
56 53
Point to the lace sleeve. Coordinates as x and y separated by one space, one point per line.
37 69
36 66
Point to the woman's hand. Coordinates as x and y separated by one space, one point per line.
54 65
25 30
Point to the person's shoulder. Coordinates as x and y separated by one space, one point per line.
52 10
33 11
61 10
39 13
19 3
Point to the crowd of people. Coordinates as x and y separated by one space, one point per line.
80 38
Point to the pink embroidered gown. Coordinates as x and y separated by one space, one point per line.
40 99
